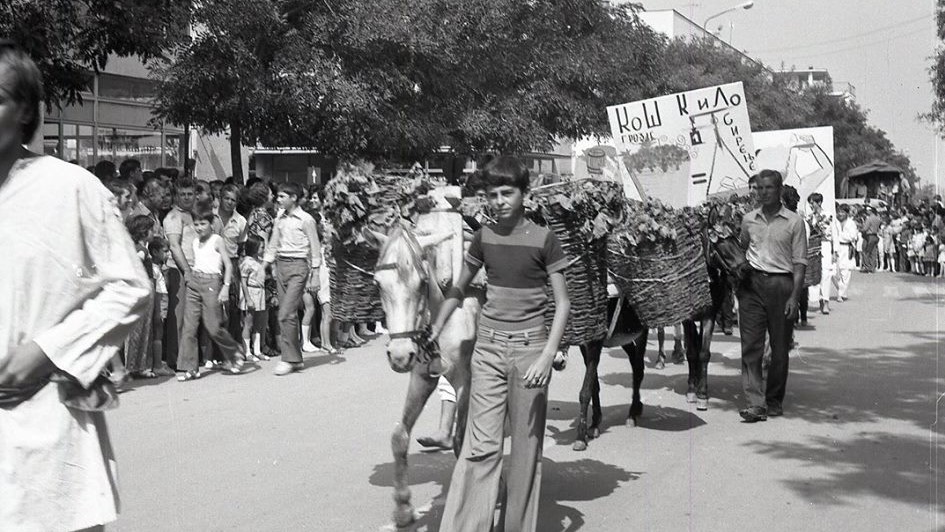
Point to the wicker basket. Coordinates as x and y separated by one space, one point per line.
586 275
664 284
354 295
812 275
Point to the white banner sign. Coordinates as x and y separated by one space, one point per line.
710 124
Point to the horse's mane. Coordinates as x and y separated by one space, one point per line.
402 249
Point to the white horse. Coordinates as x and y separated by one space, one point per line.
410 298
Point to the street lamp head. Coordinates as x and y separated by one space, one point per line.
747 5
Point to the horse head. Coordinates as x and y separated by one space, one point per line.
403 277
722 248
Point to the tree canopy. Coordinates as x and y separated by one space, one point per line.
69 40
400 78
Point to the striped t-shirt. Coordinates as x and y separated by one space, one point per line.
517 262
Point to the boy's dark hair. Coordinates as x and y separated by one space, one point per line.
292 189
27 86
139 226
473 183
506 170
253 245
201 186
203 212
127 167
257 194
104 170
789 195
844 208
231 188
184 183
156 244
815 197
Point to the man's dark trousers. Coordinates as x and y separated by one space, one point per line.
870 252
761 301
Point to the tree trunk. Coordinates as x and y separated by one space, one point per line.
236 152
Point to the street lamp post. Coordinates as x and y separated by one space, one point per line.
743 5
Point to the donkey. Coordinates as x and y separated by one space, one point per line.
632 336
725 259
410 297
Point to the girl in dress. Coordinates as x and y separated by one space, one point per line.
917 248
941 255
253 297
930 254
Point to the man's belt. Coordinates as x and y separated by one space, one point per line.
771 274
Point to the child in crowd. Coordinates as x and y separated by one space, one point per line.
916 249
158 249
253 297
941 255
207 288
138 355
930 254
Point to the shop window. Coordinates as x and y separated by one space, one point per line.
126 88
117 144
51 144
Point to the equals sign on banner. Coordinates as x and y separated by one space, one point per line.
699 179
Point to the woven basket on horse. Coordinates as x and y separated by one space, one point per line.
812 275
665 280
580 214
354 295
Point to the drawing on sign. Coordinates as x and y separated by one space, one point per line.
805 159
711 124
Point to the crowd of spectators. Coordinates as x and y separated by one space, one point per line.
160 209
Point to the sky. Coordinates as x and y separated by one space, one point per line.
882 47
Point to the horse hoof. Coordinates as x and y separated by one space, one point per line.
702 403
690 397
636 410
579 445
594 433
635 420
660 364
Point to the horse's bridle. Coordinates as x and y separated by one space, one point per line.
428 349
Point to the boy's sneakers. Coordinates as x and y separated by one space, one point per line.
285 368
189 376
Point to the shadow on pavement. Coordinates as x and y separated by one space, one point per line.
875 464
580 480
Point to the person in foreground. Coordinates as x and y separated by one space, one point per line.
768 297
511 364
69 294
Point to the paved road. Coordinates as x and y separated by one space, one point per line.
856 449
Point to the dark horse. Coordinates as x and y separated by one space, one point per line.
725 260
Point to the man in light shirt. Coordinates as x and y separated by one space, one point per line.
296 252
768 298
234 231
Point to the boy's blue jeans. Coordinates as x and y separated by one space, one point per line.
499 361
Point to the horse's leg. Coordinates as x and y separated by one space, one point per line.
460 381
419 390
692 357
584 399
635 352
705 353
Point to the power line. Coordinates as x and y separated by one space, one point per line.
858 46
847 38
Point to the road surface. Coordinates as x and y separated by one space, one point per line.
857 448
